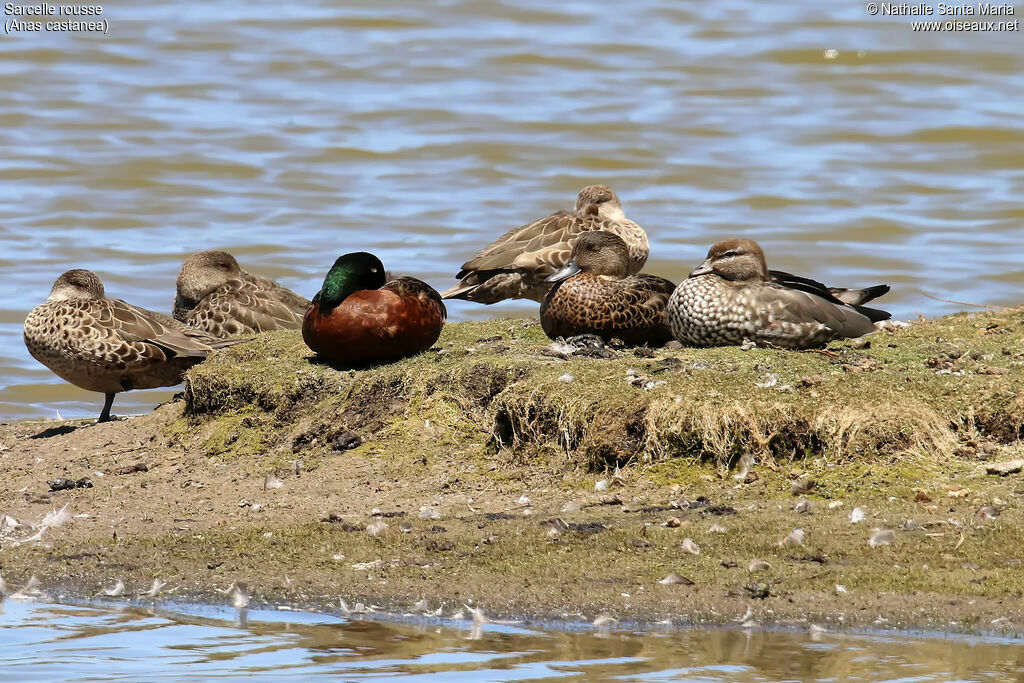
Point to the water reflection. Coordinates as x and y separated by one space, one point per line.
90 641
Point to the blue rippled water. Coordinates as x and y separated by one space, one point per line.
855 149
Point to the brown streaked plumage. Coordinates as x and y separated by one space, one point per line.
594 294
357 318
106 345
215 295
516 264
733 296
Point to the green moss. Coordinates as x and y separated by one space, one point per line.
495 387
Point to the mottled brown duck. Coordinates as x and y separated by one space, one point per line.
595 294
106 345
733 297
215 295
517 264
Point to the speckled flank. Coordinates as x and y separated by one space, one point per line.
708 311
631 308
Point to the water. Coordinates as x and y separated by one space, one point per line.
87 642
420 131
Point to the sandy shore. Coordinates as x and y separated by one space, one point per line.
549 482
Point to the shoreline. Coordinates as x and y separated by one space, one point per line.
498 480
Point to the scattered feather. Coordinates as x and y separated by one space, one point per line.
271 482
427 512
794 537
405 527
523 500
769 381
56 518
566 378
155 589
690 546
571 506
30 591
240 596
835 504
377 528
758 566
675 579
986 512
857 515
421 606
116 590
803 506
366 566
880 537
556 527
602 485
717 528
840 588
562 349
479 618
603 620
910 525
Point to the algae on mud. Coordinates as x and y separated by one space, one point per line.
505 438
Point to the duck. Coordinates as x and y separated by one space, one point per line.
215 295
359 317
732 297
109 346
516 264
595 294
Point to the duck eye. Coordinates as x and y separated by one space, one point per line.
373 270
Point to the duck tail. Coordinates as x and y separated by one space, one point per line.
859 297
459 291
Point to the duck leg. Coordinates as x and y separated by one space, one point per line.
107 404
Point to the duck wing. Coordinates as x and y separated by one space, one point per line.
799 307
243 307
838 295
542 246
414 287
647 296
294 301
133 324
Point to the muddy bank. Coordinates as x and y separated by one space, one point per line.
542 480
